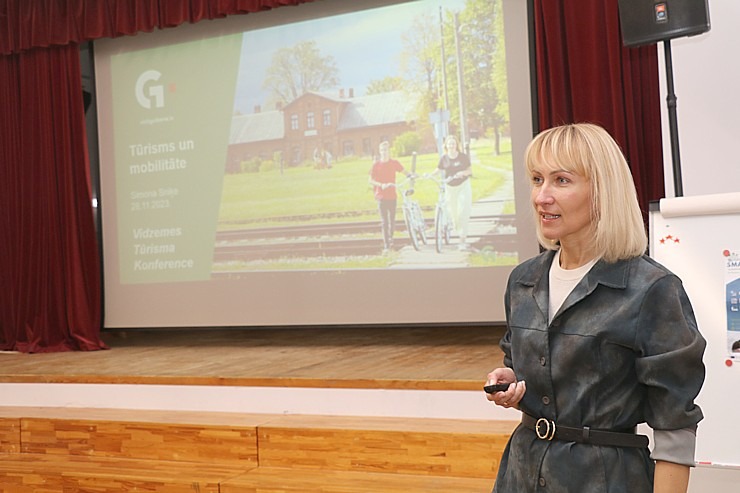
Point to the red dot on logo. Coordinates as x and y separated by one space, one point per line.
728 362
726 253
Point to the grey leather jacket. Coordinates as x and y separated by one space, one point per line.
623 349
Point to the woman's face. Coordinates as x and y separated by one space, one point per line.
563 203
451 145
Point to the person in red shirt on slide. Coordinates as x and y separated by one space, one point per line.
383 179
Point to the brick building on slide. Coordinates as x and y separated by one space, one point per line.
342 126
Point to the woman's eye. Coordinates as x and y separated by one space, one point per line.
563 180
536 180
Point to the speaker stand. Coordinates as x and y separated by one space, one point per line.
673 121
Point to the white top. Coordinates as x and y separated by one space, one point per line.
562 282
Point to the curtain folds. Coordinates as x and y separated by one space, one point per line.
26 24
585 74
49 260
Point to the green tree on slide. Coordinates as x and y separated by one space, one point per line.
299 69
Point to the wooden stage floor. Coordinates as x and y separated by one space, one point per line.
438 358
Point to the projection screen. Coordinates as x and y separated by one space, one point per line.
235 157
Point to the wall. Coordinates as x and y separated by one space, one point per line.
706 72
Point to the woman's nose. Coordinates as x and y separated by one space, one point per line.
542 195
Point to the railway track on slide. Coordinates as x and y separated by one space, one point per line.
335 239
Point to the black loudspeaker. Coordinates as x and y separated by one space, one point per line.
649 21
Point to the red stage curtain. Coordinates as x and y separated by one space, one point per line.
49 261
26 24
585 74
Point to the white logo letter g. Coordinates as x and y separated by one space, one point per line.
155 92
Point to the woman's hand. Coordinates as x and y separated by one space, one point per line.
512 396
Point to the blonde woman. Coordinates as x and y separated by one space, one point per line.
600 338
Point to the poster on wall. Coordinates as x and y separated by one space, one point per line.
732 302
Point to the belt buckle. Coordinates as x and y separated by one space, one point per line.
549 432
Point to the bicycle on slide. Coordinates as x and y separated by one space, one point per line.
413 217
443 225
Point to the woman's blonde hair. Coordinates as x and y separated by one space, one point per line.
449 138
589 151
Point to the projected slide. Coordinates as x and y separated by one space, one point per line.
244 156
171 127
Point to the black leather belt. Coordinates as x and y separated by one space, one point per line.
546 429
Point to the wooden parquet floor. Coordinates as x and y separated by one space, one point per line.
437 358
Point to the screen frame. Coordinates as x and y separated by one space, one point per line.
531 83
